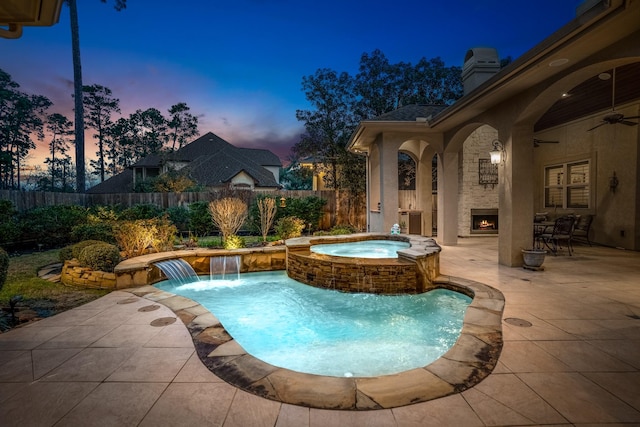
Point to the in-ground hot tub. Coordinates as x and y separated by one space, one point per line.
337 262
362 249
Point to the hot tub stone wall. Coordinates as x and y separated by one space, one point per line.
412 272
390 277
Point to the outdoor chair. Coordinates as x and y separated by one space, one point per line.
582 227
562 232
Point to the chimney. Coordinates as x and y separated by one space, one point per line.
480 63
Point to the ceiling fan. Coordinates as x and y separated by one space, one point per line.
613 117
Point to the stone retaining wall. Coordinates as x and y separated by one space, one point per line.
74 275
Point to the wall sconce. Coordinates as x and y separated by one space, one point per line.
613 182
497 154
283 202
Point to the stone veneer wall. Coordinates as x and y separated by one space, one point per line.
390 276
75 275
413 271
472 195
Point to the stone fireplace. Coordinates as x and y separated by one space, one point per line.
484 221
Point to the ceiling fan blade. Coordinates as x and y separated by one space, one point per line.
628 123
595 127
632 117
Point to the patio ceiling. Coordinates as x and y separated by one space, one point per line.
594 95
14 14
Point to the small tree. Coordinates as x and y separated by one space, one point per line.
228 215
267 210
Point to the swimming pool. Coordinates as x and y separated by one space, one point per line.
362 249
326 332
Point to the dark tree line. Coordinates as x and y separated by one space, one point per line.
340 101
24 119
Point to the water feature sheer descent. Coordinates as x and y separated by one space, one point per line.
325 332
225 267
178 270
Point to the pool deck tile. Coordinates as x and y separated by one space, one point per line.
577 364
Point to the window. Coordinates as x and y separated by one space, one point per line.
567 185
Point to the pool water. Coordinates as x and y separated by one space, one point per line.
326 332
362 249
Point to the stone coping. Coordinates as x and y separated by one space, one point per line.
144 261
421 246
469 361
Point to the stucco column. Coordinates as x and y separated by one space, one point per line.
389 183
424 190
516 198
448 199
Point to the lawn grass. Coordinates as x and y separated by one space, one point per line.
38 295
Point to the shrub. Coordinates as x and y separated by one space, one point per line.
309 209
267 213
4 266
165 234
66 253
135 237
200 221
289 226
100 256
9 230
51 225
228 215
93 231
341 229
101 214
141 211
179 216
78 247
234 242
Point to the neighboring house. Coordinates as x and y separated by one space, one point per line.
209 161
565 116
317 183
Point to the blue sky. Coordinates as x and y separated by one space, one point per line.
239 64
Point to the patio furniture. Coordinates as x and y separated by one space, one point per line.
582 227
562 231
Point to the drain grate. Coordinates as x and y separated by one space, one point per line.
146 308
518 322
163 321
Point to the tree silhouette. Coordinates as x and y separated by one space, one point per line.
77 89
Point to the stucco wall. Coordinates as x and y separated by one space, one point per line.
471 194
610 148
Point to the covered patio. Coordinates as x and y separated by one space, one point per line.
549 113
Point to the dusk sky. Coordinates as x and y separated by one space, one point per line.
239 64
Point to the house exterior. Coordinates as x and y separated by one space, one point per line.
209 161
564 117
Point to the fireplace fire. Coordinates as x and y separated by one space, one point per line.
484 221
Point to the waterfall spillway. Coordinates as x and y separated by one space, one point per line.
178 270
225 267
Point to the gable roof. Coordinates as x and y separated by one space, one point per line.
410 113
211 161
220 168
120 183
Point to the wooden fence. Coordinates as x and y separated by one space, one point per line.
26 200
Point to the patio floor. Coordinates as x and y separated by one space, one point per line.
110 363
